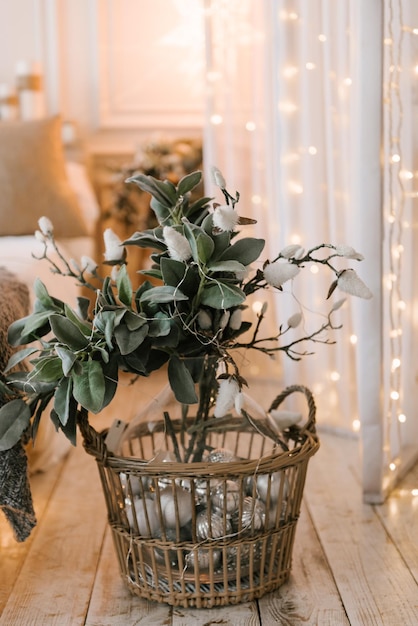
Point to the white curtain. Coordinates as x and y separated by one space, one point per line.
295 112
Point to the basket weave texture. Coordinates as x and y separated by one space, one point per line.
210 533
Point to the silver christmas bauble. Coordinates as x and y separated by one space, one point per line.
202 558
272 486
220 455
238 554
252 515
211 526
143 517
226 496
176 506
204 489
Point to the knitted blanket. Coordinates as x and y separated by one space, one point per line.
15 495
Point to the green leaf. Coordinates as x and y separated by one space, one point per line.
160 325
28 328
123 283
162 211
22 381
14 419
110 372
84 327
42 294
199 207
220 295
152 273
67 357
129 340
173 272
201 243
245 251
133 320
162 191
226 266
62 400
151 238
181 381
107 291
84 306
105 322
70 428
18 357
67 332
163 295
46 369
89 386
189 182
176 273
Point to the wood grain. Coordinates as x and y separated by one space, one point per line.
375 585
353 563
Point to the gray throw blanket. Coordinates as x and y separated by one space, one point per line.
15 495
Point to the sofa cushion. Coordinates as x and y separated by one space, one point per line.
34 181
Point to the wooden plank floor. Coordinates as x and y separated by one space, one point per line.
352 563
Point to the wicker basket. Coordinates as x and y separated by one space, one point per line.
207 534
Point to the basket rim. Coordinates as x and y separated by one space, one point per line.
305 438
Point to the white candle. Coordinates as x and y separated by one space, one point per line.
29 86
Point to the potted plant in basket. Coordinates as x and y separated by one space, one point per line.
197 521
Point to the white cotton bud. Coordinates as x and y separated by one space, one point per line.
218 178
223 322
177 244
263 309
349 282
338 304
299 254
291 251
284 419
88 264
228 390
294 320
40 236
225 218
114 250
45 225
115 273
279 272
348 252
235 320
204 320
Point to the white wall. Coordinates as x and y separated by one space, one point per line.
121 69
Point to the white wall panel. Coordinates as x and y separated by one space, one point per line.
118 68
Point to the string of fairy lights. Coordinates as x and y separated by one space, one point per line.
395 226
398 174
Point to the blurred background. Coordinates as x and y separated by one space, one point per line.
308 108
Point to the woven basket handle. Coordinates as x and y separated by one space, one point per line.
93 442
310 424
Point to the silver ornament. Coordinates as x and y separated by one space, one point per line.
252 515
204 489
238 554
211 526
220 455
176 507
202 558
142 517
226 496
270 486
